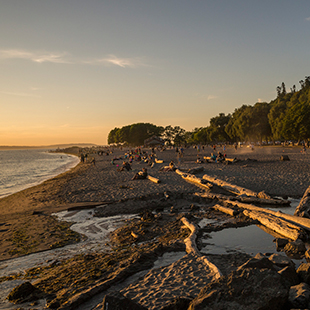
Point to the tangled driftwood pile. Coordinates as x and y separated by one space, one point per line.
290 226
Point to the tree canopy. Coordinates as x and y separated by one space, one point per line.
284 118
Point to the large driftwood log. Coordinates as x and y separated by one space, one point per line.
238 190
278 225
230 187
192 178
303 208
301 221
270 221
245 199
190 243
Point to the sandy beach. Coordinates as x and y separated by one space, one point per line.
90 185
27 225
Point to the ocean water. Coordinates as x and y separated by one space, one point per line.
21 169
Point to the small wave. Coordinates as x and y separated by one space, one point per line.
24 169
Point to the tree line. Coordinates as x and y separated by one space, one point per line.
287 117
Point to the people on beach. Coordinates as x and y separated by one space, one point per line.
199 160
213 157
171 167
140 175
220 157
125 166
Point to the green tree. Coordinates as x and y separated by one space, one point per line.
112 136
238 127
134 134
174 135
217 128
260 126
296 125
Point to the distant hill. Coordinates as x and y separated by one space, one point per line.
54 146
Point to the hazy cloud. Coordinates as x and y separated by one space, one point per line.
38 57
65 58
211 97
122 62
308 19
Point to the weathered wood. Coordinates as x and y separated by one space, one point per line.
301 221
232 160
230 187
153 179
191 247
192 178
225 210
207 158
278 225
303 209
245 199
238 190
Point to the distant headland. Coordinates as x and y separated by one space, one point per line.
54 146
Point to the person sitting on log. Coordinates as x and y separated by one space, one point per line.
125 166
140 175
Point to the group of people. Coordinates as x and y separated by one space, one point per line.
139 175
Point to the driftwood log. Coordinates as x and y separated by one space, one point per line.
230 187
300 221
303 208
190 243
245 199
238 190
153 179
158 161
225 210
192 178
271 221
281 226
232 160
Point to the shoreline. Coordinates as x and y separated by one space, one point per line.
91 185
28 224
62 169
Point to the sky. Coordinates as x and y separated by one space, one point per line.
72 70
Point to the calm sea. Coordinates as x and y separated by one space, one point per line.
20 169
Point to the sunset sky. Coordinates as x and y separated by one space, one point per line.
72 70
